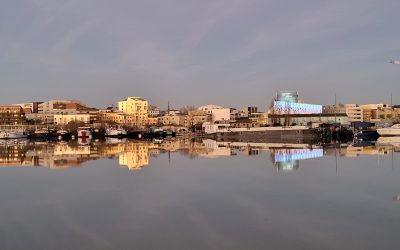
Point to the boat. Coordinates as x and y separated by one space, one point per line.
85 132
281 133
390 131
116 132
12 135
42 133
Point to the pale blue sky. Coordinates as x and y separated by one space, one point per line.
195 52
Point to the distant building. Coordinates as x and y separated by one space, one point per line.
137 108
198 117
153 111
208 108
218 114
175 120
30 108
247 111
334 109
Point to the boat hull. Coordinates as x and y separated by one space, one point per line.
388 132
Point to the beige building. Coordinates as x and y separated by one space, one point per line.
198 117
137 108
354 112
175 120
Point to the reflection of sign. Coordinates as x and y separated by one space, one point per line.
296 108
292 154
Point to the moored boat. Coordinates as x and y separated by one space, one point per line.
390 131
43 133
85 132
226 132
116 132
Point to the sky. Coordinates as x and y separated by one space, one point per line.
231 53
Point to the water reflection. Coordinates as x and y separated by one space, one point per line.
135 155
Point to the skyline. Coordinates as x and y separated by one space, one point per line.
229 53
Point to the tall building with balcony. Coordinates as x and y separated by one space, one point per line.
12 115
137 108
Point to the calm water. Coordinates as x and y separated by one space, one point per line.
198 195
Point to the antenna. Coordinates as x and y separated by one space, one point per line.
391 100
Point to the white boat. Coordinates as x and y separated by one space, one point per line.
12 135
116 132
391 131
84 132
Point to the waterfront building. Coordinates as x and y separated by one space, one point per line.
12 115
376 112
218 114
152 121
47 109
260 118
334 109
137 108
198 117
247 111
61 119
174 120
153 111
354 112
64 113
30 107
208 108
115 117
287 102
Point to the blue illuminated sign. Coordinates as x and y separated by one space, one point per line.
296 108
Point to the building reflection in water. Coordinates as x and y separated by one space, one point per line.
135 155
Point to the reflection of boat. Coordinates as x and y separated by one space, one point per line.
84 141
157 140
391 131
19 141
115 140
365 131
42 133
84 132
392 140
12 135
63 134
116 132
